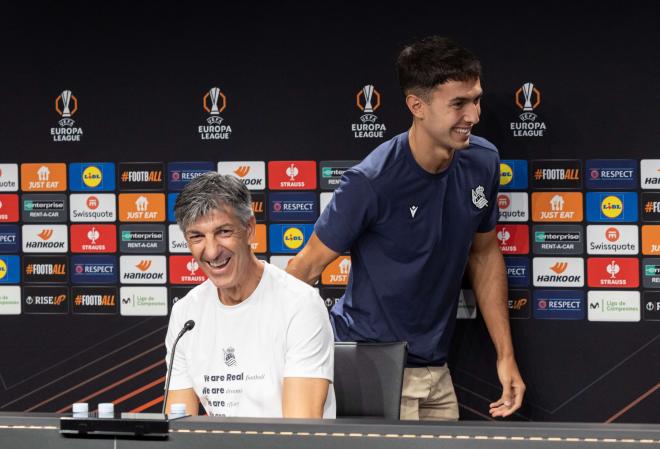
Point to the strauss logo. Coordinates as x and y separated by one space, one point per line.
192 266
292 172
93 235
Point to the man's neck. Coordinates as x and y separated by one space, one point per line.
235 295
431 157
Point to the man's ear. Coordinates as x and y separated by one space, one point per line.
251 228
416 105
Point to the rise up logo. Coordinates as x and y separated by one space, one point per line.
528 99
368 100
214 102
66 105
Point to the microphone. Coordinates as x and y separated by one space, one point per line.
186 327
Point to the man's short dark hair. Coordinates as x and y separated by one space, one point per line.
433 60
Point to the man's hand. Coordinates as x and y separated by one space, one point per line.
513 389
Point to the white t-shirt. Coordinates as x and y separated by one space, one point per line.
235 358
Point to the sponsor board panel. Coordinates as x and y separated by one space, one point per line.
46 300
171 201
93 238
558 271
142 238
292 206
44 208
10 239
331 295
176 239
559 304
558 239
43 177
513 174
185 270
651 240
8 208
650 206
612 239
519 303
651 272
611 174
650 173
517 271
289 238
557 206
143 301
179 174
45 269
513 206
10 300
93 269
513 239
91 176
280 261
143 269
259 206
613 272
337 271
45 238
330 173
556 173
8 177
96 207
10 270
251 173
141 176
141 207
609 305
94 300
612 207
324 200
650 303
259 243
292 175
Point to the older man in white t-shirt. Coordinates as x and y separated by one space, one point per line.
262 345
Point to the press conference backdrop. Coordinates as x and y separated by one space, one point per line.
107 113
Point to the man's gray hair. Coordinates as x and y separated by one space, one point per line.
209 192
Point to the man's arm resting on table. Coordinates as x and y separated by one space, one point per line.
308 264
304 397
187 397
488 274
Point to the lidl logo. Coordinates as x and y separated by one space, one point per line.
286 238
612 206
513 174
91 176
10 270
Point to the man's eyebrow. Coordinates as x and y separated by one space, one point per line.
217 228
462 99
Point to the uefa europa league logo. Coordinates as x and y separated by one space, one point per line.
368 100
212 98
528 93
69 107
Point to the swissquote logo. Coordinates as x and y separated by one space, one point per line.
8 177
528 99
97 207
613 239
558 272
142 269
368 100
66 105
45 239
214 102
513 206
251 173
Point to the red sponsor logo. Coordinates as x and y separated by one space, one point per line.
513 239
292 175
93 238
185 270
8 208
613 272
